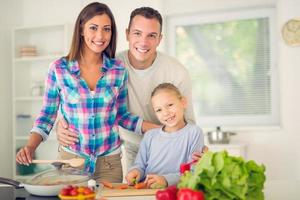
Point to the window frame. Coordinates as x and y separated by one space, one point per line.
271 120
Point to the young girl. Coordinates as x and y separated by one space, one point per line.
90 88
162 150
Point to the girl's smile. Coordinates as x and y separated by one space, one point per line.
169 109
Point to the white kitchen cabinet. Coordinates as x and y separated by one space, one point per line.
234 149
41 45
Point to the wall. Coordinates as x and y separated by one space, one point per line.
7 21
276 148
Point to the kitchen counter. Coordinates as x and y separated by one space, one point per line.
9 193
274 190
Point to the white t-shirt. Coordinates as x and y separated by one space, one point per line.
142 82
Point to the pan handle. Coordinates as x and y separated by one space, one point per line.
8 181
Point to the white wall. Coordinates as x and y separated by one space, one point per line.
8 19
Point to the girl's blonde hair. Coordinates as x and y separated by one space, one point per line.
166 86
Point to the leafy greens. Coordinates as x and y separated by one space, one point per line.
226 177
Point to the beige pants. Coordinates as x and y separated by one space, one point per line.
108 168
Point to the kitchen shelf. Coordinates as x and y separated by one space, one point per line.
48 42
29 98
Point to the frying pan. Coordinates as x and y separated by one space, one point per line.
48 187
39 190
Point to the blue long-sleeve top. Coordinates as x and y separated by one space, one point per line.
162 152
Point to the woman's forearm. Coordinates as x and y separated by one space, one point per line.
34 140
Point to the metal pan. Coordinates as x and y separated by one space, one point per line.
40 190
47 184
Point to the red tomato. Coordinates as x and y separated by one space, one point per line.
69 187
65 191
88 191
74 192
80 190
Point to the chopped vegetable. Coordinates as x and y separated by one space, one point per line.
140 185
134 181
222 176
157 186
122 186
107 184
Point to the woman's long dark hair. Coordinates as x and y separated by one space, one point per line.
91 10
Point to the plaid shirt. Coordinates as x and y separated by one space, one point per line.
94 117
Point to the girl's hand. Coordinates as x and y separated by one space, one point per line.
197 154
133 177
64 136
155 181
25 154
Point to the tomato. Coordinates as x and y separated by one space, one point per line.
65 191
74 192
88 191
80 190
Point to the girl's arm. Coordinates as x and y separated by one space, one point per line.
196 143
142 157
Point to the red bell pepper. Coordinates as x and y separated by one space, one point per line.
167 194
189 194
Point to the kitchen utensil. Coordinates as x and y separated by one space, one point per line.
74 162
50 182
219 137
130 191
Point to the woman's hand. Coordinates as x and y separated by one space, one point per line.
133 177
197 154
64 136
155 181
25 155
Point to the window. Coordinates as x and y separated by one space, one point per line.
231 59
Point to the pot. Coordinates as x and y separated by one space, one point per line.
50 182
219 137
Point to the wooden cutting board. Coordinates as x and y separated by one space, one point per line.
130 191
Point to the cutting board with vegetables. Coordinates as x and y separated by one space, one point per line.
119 189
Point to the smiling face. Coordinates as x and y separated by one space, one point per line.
169 109
97 34
144 36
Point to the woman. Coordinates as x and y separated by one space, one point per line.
90 88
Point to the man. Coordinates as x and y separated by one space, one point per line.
147 68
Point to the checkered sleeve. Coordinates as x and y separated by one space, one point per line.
47 116
125 118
